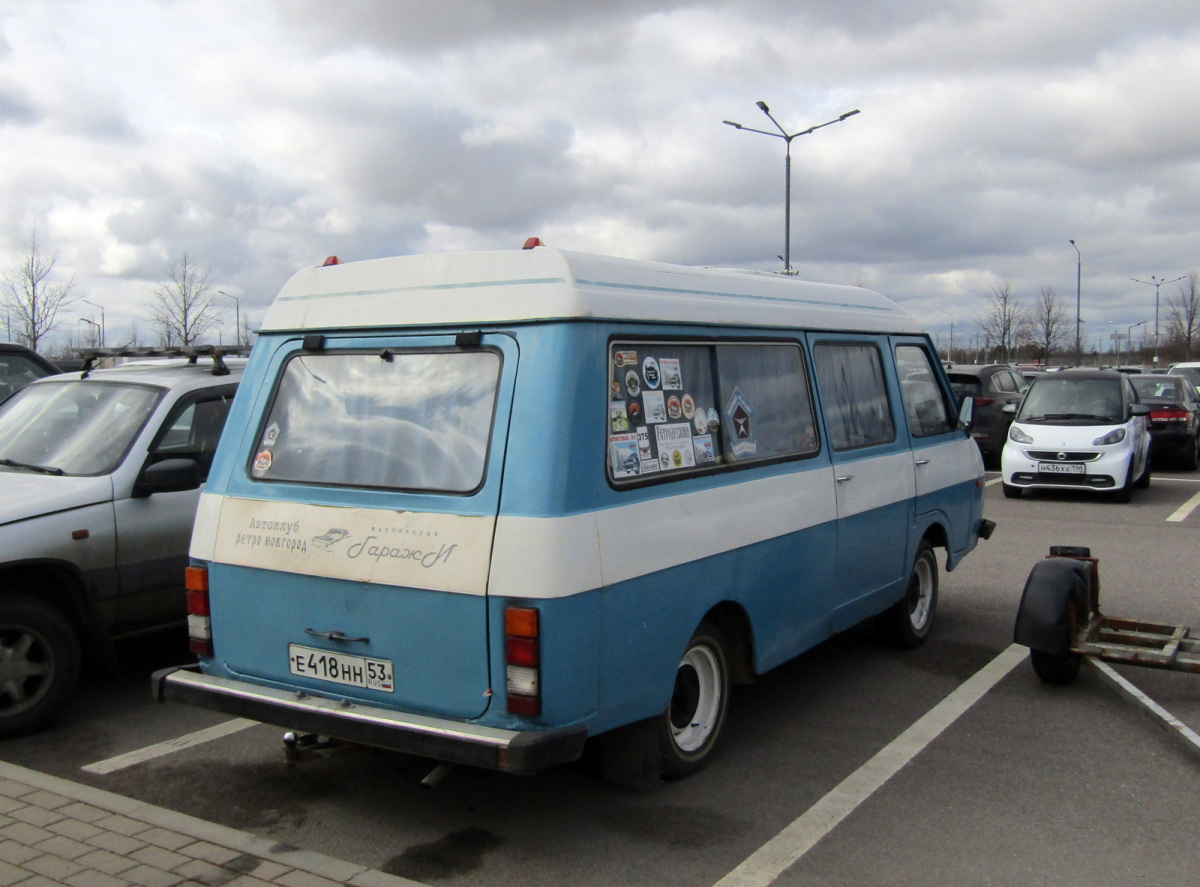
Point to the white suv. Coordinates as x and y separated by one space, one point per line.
1078 429
100 473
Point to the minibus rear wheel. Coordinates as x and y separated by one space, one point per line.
907 622
689 728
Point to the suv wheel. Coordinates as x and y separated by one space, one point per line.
39 663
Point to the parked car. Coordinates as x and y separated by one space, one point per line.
1190 370
1078 429
1174 417
19 366
99 478
993 386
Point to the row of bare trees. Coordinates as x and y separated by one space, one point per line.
1042 329
182 309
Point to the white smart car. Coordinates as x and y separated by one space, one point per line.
1078 429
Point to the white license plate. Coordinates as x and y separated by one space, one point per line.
341 668
1062 467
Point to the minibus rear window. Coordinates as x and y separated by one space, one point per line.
411 420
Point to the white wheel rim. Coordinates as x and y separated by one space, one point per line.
920 597
698 678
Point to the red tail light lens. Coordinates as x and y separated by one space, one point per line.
523 658
1168 415
199 614
984 401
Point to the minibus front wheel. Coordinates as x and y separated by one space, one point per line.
907 623
689 728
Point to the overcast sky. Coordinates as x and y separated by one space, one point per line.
260 136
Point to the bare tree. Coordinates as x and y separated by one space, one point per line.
1183 315
29 297
1003 321
182 308
1047 323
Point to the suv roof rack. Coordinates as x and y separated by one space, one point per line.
218 353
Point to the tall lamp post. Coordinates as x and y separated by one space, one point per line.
95 328
1156 283
787 167
237 318
950 353
1078 288
1129 337
103 337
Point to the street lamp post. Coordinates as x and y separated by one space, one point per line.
1156 283
95 326
237 318
1078 288
1129 337
950 353
787 168
103 337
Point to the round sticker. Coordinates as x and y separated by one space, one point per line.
650 372
689 406
678 459
701 422
714 420
262 461
635 412
673 407
632 384
665 459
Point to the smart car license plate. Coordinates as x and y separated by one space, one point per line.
341 668
1061 467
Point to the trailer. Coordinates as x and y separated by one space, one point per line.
1061 622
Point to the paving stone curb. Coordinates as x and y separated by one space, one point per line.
53 830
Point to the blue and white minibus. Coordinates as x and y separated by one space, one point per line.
481 507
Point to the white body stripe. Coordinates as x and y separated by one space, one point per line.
874 482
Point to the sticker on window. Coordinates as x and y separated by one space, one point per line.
623 451
741 427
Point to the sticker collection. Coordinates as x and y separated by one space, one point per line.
656 425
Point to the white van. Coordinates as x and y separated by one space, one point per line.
481 507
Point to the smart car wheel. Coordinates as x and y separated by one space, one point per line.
1012 492
1125 492
39 663
689 728
907 623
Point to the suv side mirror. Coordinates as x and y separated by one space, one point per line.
168 476
966 414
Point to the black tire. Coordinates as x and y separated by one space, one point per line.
1191 459
1143 481
39 663
690 727
1125 492
1055 669
907 622
1011 492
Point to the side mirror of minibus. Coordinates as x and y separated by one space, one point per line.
966 414
168 476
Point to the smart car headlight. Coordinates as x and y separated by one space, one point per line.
1016 435
1115 436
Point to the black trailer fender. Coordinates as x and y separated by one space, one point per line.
1044 621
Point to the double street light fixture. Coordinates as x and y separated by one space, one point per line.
787 138
103 337
1156 283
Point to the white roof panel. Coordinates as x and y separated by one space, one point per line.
515 286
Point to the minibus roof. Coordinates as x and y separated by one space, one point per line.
517 286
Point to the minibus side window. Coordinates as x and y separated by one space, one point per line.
925 404
853 394
688 407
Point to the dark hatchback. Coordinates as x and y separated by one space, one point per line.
1174 418
19 366
992 386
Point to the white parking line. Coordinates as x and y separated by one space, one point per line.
777 855
150 752
1175 727
1181 513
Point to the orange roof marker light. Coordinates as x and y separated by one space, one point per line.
531 242
331 260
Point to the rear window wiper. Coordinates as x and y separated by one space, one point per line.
44 469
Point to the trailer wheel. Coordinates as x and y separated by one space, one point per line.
688 730
907 622
1055 669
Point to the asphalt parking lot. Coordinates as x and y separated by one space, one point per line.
822 780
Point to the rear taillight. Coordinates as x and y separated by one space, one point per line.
984 401
523 660
199 615
1168 415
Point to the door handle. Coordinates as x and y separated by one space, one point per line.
842 478
922 462
335 635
